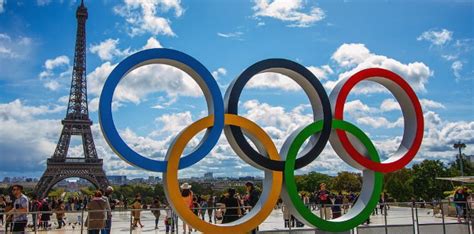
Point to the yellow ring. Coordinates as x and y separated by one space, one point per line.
245 223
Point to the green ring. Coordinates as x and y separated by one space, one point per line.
341 223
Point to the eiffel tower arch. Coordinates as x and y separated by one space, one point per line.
76 122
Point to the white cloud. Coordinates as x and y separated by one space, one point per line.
430 104
322 73
457 67
235 35
17 110
14 48
57 73
173 123
357 106
289 11
107 50
352 58
219 72
379 122
138 84
350 55
271 80
440 135
389 105
18 121
50 64
152 43
437 38
142 15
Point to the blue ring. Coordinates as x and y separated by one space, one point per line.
134 61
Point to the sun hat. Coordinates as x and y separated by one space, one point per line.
185 186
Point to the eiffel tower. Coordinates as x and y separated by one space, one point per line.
77 122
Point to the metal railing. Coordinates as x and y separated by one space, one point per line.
413 217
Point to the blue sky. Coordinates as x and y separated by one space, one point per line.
429 43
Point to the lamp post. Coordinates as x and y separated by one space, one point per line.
460 146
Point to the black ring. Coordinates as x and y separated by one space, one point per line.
296 72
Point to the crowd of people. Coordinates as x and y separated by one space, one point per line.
228 207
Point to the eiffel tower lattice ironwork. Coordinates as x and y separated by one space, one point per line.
77 122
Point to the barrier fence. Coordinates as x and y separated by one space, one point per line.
407 217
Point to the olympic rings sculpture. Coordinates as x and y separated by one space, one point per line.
354 148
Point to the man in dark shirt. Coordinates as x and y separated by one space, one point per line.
252 197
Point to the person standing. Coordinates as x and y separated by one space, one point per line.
155 210
35 207
169 224
60 214
187 196
287 216
210 206
336 208
136 212
253 195
96 214
45 215
323 199
20 209
460 200
3 205
108 221
8 216
232 207
203 204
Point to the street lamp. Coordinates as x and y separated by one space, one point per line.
460 146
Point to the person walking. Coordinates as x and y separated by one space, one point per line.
20 209
136 212
96 214
232 207
155 210
107 198
187 196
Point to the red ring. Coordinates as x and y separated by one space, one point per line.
339 114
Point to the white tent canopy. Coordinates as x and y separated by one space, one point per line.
465 179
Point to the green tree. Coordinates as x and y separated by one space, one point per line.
347 181
425 183
399 184
455 168
310 182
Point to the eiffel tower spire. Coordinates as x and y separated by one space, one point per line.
76 122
